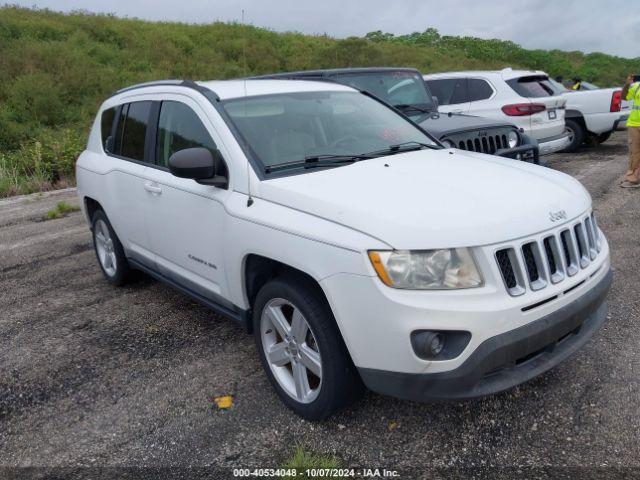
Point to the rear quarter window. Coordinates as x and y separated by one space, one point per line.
532 87
106 124
479 89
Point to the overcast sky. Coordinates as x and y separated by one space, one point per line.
610 26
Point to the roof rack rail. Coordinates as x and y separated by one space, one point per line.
173 82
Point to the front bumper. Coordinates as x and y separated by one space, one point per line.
553 144
506 360
526 153
621 123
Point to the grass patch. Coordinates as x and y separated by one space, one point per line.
62 209
303 459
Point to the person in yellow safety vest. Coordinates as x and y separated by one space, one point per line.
631 92
577 83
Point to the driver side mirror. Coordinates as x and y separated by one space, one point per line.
435 102
200 164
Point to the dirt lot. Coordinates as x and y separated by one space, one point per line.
92 375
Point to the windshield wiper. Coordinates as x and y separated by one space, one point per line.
328 160
317 161
406 106
402 147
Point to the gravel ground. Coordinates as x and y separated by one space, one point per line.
92 375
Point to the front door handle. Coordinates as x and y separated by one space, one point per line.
152 187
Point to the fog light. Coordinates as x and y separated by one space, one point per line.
431 343
518 156
439 344
436 344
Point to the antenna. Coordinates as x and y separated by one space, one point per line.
244 84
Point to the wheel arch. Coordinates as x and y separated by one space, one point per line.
257 270
90 207
576 116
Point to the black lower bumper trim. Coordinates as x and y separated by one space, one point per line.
506 360
527 153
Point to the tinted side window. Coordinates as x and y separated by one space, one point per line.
178 128
106 123
449 90
135 130
532 87
120 129
478 89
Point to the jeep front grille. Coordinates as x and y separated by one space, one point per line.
534 264
485 141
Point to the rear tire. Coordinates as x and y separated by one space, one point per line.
109 251
307 364
576 135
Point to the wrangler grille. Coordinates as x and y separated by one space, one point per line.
536 263
494 140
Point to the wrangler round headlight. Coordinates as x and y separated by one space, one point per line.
448 268
513 138
448 143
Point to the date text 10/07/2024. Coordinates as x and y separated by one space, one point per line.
317 472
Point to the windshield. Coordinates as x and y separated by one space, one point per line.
395 88
289 127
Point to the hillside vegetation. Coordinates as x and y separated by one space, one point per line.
55 69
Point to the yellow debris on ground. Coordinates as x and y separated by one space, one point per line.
223 403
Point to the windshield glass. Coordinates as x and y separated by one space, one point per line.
282 128
395 88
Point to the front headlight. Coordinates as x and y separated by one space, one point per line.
513 138
426 269
447 143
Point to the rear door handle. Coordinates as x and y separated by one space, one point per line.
152 187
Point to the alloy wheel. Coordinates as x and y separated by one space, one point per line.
291 350
571 133
105 248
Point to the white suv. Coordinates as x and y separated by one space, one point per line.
354 246
525 98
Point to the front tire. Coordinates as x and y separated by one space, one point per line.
109 251
576 135
301 348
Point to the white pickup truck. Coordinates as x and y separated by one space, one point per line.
592 114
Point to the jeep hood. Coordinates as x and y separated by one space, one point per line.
433 198
441 124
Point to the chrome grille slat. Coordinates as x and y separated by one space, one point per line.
511 271
596 232
534 266
538 262
581 240
570 252
554 258
591 239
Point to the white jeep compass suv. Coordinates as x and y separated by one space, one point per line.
355 247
